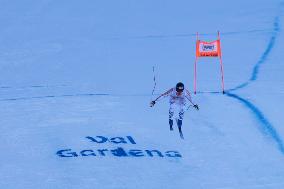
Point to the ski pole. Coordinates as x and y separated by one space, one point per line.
154 79
188 107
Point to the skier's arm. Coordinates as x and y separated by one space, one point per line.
188 96
162 95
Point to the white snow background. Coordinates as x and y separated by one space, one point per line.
76 69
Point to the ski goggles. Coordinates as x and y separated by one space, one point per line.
179 89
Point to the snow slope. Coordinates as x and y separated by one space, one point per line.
76 82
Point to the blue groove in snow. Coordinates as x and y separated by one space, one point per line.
267 128
264 56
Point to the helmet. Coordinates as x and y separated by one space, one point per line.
179 87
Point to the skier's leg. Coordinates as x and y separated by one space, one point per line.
179 122
171 122
171 114
181 113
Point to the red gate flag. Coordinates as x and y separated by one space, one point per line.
208 49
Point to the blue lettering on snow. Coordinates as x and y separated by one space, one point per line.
115 140
118 140
173 154
136 153
88 153
118 152
98 139
62 153
150 153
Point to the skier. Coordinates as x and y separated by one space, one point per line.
177 98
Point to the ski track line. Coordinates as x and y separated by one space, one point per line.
266 128
73 95
32 86
263 58
184 35
53 96
259 186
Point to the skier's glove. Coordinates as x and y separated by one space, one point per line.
196 107
152 103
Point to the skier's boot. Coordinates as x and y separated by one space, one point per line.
179 123
171 122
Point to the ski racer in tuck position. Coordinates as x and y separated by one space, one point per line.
178 97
